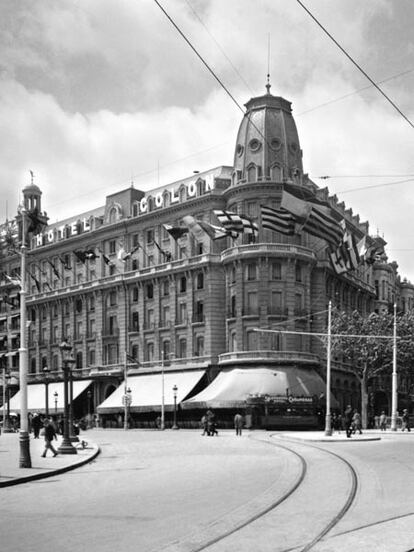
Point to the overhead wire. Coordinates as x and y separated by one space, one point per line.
389 100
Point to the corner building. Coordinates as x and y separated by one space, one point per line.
190 313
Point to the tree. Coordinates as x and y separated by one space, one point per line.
369 357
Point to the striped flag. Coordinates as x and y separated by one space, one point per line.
200 228
278 220
236 223
346 256
176 232
317 219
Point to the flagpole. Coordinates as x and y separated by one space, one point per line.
328 428
394 392
25 460
162 392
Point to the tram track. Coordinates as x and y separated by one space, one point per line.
224 537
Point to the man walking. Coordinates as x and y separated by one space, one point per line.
348 414
238 423
50 434
405 421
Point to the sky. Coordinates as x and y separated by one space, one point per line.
98 94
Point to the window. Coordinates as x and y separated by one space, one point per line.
199 248
165 349
112 325
182 348
276 271
135 295
44 313
200 280
298 302
150 291
55 334
276 301
55 363
91 357
149 352
150 236
199 351
55 311
135 351
150 318
165 316
182 313
252 303
252 341
135 240
79 360
233 306
135 321
251 271
298 273
112 247
92 303
166 287
233 274
78 305
112 298
91 328
112 269
199 312
78 330
182 252
33 366
183 284
92 275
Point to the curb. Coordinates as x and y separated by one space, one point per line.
326 439
36 476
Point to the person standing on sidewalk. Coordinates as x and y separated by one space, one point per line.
405 420
238 423
50 434
356 422
383 421
36 425
348 420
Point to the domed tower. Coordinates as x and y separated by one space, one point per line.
32 196
267 146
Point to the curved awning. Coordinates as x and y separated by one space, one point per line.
232 388
36 396
146 391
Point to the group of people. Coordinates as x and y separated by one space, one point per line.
50 428
209 424
350 421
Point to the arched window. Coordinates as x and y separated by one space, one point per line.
113 215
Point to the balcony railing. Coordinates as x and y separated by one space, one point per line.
277 311
265 356
279 249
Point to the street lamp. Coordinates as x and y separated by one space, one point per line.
74 438
175 389
66 446
89 395
6 415
46 378
162 391
56 394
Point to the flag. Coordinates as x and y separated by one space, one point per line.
36 221
36 281
278 220
90 254
167 255
176 232
15 280
317 219
81 255
374 251
236 223
132 360
216 232
346 256
55 270
66 266
124 255
200 229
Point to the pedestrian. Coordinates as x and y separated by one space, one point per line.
210 422
383 421
337 422
204 425
377 422
50 434
405 421
356 422
36 424
212 428
238 423
348 420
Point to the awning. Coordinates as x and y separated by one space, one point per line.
36 395
231 388
146 391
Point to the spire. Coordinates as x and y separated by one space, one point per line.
268 65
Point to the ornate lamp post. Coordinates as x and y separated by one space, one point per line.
74 438
56 394
46 379
66 446
89 395
175 389
6 418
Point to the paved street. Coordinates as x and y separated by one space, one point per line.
177 491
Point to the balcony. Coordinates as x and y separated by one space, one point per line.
270 250
268 357
278 312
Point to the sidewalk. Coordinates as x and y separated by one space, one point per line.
12 474
367 435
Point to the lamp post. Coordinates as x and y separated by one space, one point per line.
162 392
89 396
328 426
56 394
6 401
394 390
24 437
46 378
66 446
74 438
175 389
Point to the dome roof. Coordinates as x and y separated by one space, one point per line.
32 189
268 139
